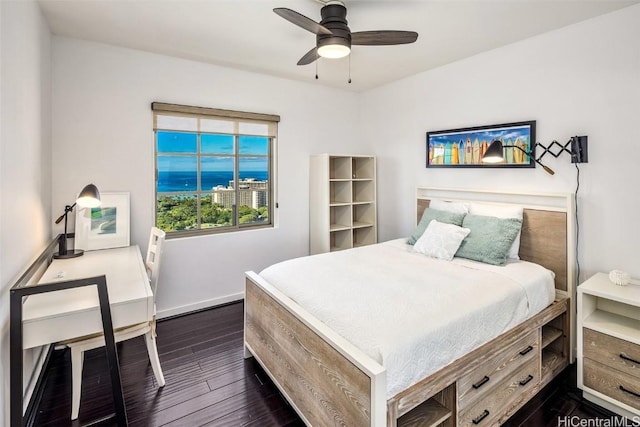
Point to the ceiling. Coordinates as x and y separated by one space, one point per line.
247 35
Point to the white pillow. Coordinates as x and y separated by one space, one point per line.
501 211
441 240
455 207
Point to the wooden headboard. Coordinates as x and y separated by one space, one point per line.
547 226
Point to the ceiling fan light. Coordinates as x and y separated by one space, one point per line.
334 48
334 51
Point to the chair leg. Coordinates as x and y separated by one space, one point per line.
150 340
77 362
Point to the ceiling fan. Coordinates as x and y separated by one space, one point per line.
333 36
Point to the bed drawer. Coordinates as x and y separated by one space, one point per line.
476 384
614 352
612 382
488 410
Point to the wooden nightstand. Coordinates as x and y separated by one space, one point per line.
609 344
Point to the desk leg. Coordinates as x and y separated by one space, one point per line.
16 351
15 357
112 355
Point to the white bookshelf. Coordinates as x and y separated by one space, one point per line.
342 202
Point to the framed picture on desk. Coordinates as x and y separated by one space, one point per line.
106 226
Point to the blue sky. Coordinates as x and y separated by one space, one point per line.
183 142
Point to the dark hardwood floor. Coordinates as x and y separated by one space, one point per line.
208 382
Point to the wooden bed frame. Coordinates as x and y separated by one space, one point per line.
331 382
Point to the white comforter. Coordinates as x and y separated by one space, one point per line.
411 313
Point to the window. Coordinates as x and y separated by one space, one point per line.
214 169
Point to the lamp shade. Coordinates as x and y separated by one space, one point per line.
494 153
89 197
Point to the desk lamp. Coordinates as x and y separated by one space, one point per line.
89 197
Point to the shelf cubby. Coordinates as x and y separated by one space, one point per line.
363 168
549 335
340 240
339 192
340 218
438 411
340 168
363 236
429 413
551 362
555 347
363 191
364 215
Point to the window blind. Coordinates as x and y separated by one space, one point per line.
213 120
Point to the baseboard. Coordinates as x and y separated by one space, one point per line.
176 311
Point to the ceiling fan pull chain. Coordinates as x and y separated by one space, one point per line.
349 69
317 70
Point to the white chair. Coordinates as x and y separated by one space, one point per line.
148 329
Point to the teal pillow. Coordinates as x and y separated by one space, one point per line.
430 214
490 238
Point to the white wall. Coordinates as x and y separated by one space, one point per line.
102 133
25 156
580 80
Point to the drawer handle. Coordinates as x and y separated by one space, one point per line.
622 356
629 391
481 382
526 350
482 416
526 380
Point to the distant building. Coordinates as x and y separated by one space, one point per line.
251 193
258 199
223 196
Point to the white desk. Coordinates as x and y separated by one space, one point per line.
72 313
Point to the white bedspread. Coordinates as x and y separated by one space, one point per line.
411 313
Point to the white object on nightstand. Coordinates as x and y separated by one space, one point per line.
608 327
619 277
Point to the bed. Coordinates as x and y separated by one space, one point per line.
334 374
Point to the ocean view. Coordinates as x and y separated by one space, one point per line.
173 181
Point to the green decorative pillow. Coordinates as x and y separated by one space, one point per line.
490 238
440 216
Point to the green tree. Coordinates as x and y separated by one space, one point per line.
176 213
247 214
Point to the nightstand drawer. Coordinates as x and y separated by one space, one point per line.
474 385
492 405
612 382
614 352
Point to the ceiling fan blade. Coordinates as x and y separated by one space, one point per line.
309 57
383 37
302 21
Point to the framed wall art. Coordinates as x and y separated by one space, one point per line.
106 226
464 148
